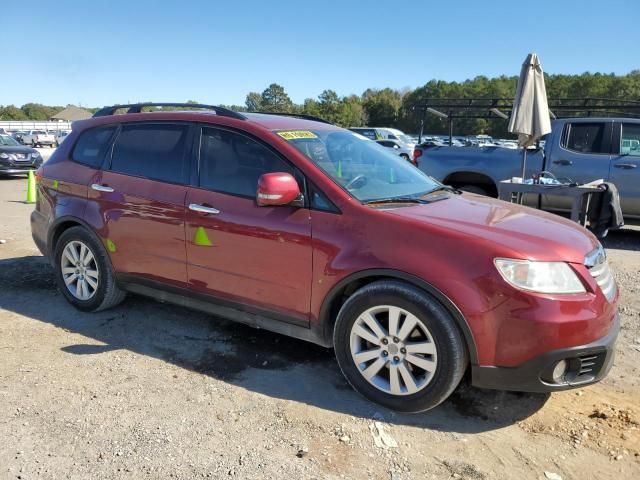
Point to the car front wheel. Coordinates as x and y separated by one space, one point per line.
83 271
399 347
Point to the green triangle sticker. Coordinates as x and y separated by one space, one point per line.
111 246
201 238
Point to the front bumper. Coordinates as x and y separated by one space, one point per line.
587 364
13 167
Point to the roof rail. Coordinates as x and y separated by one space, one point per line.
137 108
296 115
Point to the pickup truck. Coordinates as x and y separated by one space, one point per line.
578 150
38 137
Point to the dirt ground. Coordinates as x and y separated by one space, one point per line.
154 391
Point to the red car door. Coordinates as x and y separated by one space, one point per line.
140 197
253 256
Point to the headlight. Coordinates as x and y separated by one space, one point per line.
4 155
541 277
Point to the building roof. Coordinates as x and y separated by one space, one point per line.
71 114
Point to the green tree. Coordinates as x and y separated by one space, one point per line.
253 102
382 107
11 112
37 111
330 106
275 99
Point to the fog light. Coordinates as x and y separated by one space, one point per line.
559 371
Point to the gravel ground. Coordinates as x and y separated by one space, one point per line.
155 391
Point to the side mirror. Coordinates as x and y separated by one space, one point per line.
277 188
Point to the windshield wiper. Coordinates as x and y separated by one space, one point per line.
444 188
396 200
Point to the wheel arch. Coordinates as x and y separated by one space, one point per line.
345 287
60 225
460 179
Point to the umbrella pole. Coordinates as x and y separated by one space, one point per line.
524 171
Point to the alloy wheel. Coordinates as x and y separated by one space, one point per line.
79 270
393 350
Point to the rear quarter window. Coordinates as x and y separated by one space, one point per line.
92 146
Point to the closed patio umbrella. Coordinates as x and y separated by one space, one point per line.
530 114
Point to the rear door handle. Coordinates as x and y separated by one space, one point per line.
101 188
563 162
196 207
625 165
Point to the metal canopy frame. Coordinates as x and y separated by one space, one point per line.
500 109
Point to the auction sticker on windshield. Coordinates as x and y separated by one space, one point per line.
296 134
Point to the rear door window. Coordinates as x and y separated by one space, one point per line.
586 138
630 140
154 151
92 146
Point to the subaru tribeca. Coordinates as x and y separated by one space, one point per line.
309 230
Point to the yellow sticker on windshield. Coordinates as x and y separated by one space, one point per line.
296 134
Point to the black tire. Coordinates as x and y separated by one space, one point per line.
405 157
474 189
451 350
108 294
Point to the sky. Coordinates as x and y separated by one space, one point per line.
96 53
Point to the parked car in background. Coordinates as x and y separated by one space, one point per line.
578 150
38 138
398 148
370 133
397 135
383 133
293 225
60 136
17 135
512 144
16 158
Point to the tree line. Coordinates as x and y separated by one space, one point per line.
400 108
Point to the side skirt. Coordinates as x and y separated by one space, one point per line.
278 323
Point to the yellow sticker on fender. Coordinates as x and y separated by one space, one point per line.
296 134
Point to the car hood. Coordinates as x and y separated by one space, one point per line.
517 231
18 149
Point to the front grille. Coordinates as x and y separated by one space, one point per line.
23 157
599 269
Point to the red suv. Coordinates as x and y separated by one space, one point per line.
292 224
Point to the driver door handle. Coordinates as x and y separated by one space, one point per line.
625 165
196 207
101 188
563 162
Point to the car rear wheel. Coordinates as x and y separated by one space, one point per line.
83 271
399 347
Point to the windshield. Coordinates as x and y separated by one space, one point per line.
7 140
368 171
